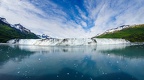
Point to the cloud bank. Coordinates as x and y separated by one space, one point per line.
72 18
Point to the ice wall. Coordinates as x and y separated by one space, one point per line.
68 41
111 41
52 42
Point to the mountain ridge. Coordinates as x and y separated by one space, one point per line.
17 31
133 33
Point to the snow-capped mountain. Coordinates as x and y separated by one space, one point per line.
115 29
3 20
16 26
21 28
17 31
44 36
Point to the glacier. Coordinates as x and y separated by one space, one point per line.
111 41
67 41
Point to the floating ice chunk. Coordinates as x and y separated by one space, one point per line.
67 73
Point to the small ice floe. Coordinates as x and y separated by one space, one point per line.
67 73
18 72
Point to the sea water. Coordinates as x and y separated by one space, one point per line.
95 62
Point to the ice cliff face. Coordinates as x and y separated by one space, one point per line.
52 41
111 41
67 41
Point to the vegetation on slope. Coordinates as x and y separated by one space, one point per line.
133 34
7 33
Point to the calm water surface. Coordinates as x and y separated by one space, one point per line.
103 62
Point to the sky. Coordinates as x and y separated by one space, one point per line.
72 18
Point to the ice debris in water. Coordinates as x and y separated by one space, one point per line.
18 72
67 73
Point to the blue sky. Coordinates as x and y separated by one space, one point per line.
72 18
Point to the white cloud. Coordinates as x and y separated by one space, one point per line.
130 12
84 24
16 11
55 23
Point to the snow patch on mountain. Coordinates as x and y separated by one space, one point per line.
115 29
4 20
21 28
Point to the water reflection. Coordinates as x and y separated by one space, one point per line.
73 75
104 62
9 53
135 51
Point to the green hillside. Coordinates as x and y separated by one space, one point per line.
7 33
133 34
